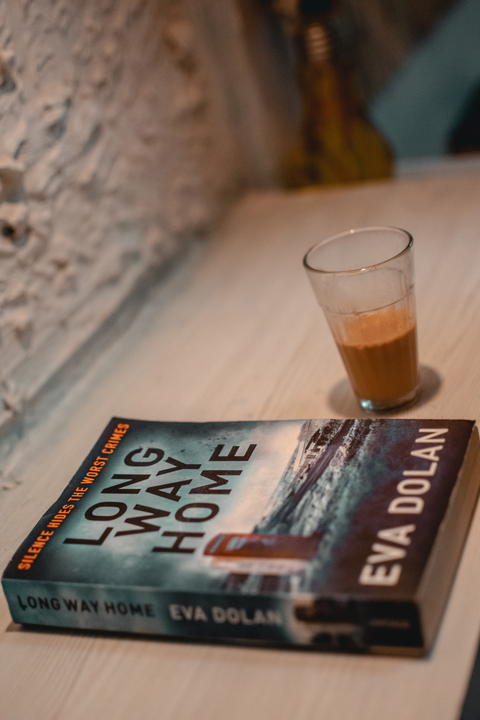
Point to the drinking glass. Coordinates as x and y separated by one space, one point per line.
363 280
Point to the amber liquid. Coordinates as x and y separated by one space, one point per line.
379 351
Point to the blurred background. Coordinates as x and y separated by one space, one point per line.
414 66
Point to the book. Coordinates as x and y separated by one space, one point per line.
339 535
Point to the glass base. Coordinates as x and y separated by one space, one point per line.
373 406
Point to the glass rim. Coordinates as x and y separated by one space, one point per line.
353 271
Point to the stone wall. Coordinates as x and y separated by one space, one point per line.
116 147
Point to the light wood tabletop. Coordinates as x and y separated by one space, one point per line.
235 333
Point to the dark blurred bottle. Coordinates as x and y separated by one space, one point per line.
338 144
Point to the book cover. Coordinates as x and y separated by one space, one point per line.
328 534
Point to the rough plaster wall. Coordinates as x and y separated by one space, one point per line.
115 148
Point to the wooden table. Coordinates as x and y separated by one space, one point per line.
235 333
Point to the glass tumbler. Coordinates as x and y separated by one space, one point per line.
363 280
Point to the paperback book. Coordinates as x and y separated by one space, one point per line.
339 535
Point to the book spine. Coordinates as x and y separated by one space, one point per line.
261 619
150 611
392 626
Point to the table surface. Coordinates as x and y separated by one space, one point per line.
234 333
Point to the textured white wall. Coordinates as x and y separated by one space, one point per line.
116 146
